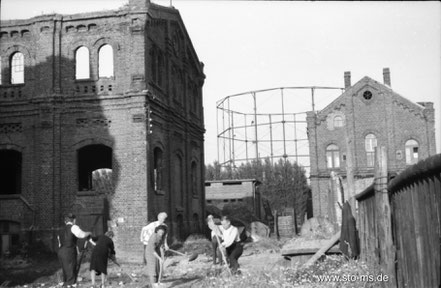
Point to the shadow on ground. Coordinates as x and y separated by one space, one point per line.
20 271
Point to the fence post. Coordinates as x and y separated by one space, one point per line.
385 244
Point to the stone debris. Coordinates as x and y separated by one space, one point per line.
259 231
318 228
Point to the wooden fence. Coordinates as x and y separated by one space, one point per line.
415 207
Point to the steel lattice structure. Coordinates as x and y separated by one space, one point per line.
268 123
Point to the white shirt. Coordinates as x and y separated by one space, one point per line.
230 236
76 230
217 229
148 230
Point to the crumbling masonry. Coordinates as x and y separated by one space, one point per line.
100 115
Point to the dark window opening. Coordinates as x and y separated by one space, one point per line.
194 179
180 227
154 65
209 201
195 223
160 69
178 181
10 172
91 158
157 169
367 95
232 183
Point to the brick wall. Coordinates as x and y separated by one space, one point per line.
390 117
59 115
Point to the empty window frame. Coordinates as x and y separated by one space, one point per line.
91 158
17 68
178 180
160 68
82 63
154 65
370 142
157 169
105 61
332 156
411 148
10 172
195 223
194 179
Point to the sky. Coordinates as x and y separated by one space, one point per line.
252 45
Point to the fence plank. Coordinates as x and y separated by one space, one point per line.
415 208
383 216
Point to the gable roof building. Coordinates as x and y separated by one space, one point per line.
367 114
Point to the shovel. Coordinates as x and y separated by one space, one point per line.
190 258
77 269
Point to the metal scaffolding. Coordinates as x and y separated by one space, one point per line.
269 122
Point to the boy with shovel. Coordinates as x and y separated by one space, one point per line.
231 243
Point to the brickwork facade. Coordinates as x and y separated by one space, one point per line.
367 114
52 114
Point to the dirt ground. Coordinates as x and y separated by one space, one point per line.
262 266
179 272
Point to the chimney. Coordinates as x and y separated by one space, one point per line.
386 76
138 4
347 79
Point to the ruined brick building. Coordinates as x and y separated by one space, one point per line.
100 115
367 114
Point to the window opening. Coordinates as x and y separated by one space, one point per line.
17 68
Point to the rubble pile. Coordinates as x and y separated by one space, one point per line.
318 228
196 243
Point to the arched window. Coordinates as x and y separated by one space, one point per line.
332 156
154 65
174 83
105 61
17 68
370 142
178 181
10 172
160 68
82 64
411 148
194 179
195 223
338 121
157 169
180 227
91 158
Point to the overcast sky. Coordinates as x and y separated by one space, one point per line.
254 45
